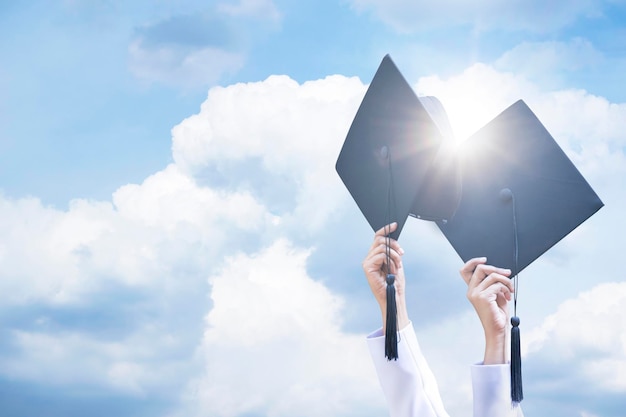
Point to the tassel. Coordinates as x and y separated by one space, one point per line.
391 331
517 394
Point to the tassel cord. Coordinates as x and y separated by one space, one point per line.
391 328
517 393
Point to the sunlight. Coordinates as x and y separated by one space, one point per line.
467 115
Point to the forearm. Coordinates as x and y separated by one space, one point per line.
491 380
495 349
403 315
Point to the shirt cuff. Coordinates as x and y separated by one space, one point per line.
491 385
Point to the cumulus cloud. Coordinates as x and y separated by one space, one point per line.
475 96
283 154
584 330
274 345
122 241
583 344
137 265
126 366
135 269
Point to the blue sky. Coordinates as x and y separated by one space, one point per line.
168 194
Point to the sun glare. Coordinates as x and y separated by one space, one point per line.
467 117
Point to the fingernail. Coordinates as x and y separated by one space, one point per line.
401 251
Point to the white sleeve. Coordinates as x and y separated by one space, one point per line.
408 383
491 385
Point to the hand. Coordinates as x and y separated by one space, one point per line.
489 290
375 268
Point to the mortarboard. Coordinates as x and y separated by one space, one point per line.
394 163
518 185
395 151
509 194
521 195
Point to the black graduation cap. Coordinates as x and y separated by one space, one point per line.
394 160
395 163
509 193
521 193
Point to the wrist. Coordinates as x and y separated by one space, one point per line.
402 314
495 349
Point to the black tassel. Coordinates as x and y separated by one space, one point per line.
517 394
391 331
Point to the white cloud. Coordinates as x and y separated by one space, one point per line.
291 137
39 249
283 123
63 257
274 345
586 333
169 198
136 269
156 242
51 358
475 96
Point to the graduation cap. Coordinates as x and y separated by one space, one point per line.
395 163
510 193
521 195
395 150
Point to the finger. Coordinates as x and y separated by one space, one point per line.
497 288
504 295
381 243
492 280
468 269
391 255
386 229
482 271
385 245
382 234
377 257
392 243
378 263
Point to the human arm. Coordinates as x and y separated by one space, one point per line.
407 383
489 291
375 268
